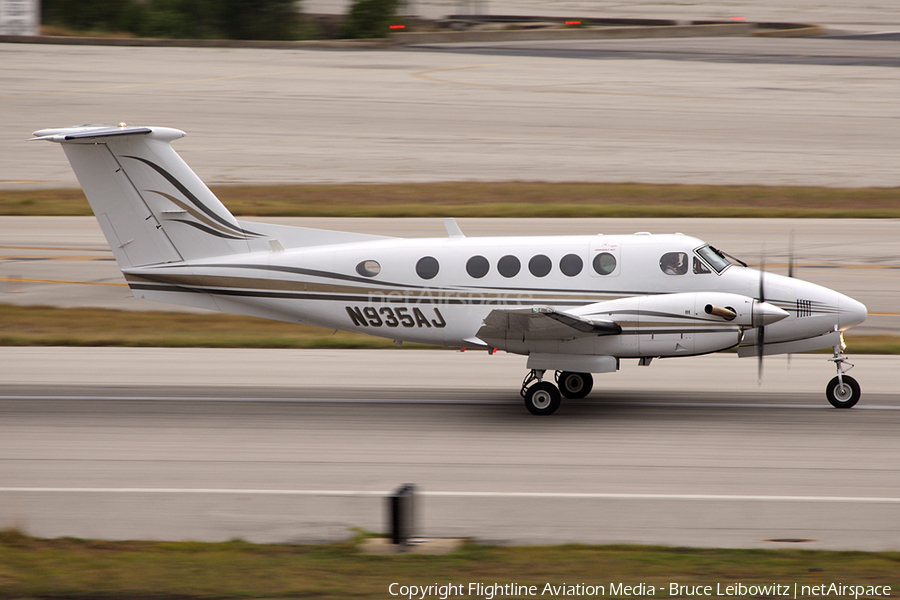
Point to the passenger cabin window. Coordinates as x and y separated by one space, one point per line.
604 263
477 267
540 265
427 267
714 258
368 268
571 265
699 267
509 266
674 263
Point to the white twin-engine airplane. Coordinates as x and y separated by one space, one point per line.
575 305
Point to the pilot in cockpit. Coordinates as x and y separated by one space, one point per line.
673 263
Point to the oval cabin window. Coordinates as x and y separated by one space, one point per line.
571 265
540 265
477 267
368 268
427 267
604 263
509 266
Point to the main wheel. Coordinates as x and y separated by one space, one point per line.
542 398
575 385
843 396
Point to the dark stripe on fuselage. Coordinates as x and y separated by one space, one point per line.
361 298
389 284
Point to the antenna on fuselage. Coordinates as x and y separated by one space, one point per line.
452 227
791 254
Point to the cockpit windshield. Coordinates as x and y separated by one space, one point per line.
715 258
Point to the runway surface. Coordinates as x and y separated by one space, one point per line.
303 445
66 261
727 111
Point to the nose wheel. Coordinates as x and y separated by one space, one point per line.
541 397
842 391
843 394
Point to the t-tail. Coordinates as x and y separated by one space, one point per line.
152 208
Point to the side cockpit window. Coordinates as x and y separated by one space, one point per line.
714 258
674 263
699 267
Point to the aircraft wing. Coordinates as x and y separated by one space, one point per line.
713 320
542 323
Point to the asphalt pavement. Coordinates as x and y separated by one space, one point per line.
286 446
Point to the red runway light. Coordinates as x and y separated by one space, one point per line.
738 18
398 26
573 22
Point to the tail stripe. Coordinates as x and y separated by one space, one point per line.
210 230
187 193
210 225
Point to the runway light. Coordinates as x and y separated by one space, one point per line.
738 18
573 22
398 26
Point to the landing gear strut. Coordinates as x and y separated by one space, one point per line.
541 397
842 391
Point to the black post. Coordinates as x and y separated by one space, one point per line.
401 507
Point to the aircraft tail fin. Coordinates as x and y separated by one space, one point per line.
151 206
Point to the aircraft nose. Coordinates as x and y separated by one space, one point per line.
852 312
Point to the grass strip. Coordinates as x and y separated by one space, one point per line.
510 199
50 326
73 568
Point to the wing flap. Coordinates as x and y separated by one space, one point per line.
541 323
582 324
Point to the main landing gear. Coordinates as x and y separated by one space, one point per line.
842 391
543 398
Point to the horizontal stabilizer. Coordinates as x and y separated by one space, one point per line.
289 236
85 132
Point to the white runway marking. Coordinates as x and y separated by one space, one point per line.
449 494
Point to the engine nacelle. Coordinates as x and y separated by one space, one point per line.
680 324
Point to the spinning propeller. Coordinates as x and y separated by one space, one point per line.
761 330
761 297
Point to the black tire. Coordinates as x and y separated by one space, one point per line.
843 397
542 398
575 385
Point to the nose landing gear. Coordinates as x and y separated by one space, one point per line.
842 391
